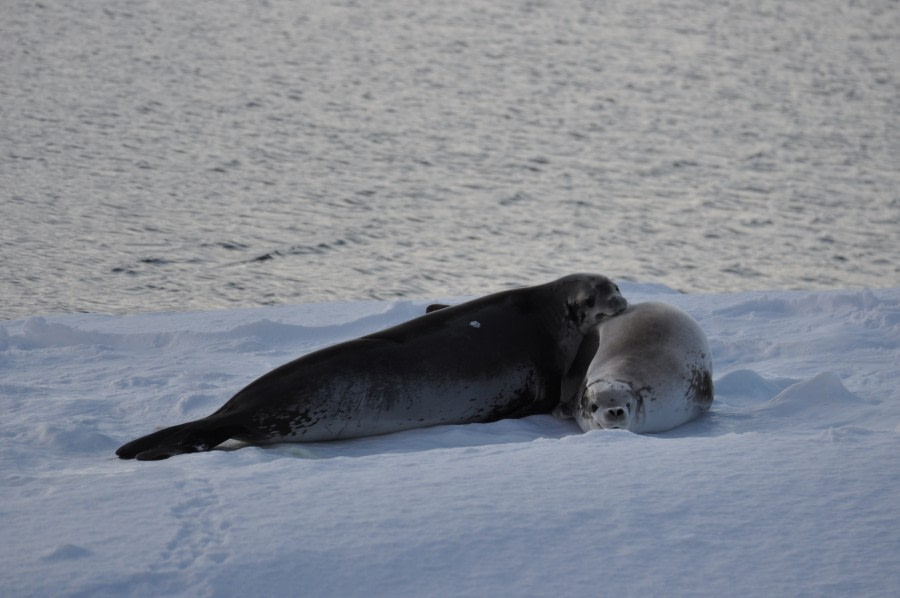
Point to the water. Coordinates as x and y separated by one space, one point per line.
177 156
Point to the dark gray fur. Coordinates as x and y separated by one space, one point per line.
500 356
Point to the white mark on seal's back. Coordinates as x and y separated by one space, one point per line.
475 324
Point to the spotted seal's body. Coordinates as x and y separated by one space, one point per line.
503 355
646 370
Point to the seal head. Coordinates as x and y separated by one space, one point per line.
590 299
609 406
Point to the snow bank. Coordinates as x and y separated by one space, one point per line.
788 486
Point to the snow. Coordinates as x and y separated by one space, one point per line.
789 486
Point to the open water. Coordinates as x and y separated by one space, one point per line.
161 155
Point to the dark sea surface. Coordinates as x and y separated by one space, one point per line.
211 154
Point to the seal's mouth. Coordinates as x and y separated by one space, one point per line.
593 424
615 305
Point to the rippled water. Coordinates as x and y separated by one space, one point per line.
161 155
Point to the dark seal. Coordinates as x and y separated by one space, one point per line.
501 356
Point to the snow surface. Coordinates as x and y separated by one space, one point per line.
790 486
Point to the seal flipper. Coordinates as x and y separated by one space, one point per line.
563 411
702 387
191 437
572 384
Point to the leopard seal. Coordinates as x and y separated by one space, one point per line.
500 356
647 370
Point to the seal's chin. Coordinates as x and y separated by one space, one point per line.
594 424
602 425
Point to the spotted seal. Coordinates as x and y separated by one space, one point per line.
500 356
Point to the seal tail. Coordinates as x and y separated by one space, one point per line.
191 437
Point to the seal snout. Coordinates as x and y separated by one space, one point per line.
617 303
613 305
611 417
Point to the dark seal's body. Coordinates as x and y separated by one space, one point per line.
503 355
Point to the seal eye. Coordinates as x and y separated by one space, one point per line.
592 300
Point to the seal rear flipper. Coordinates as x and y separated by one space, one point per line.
190 437
564 411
